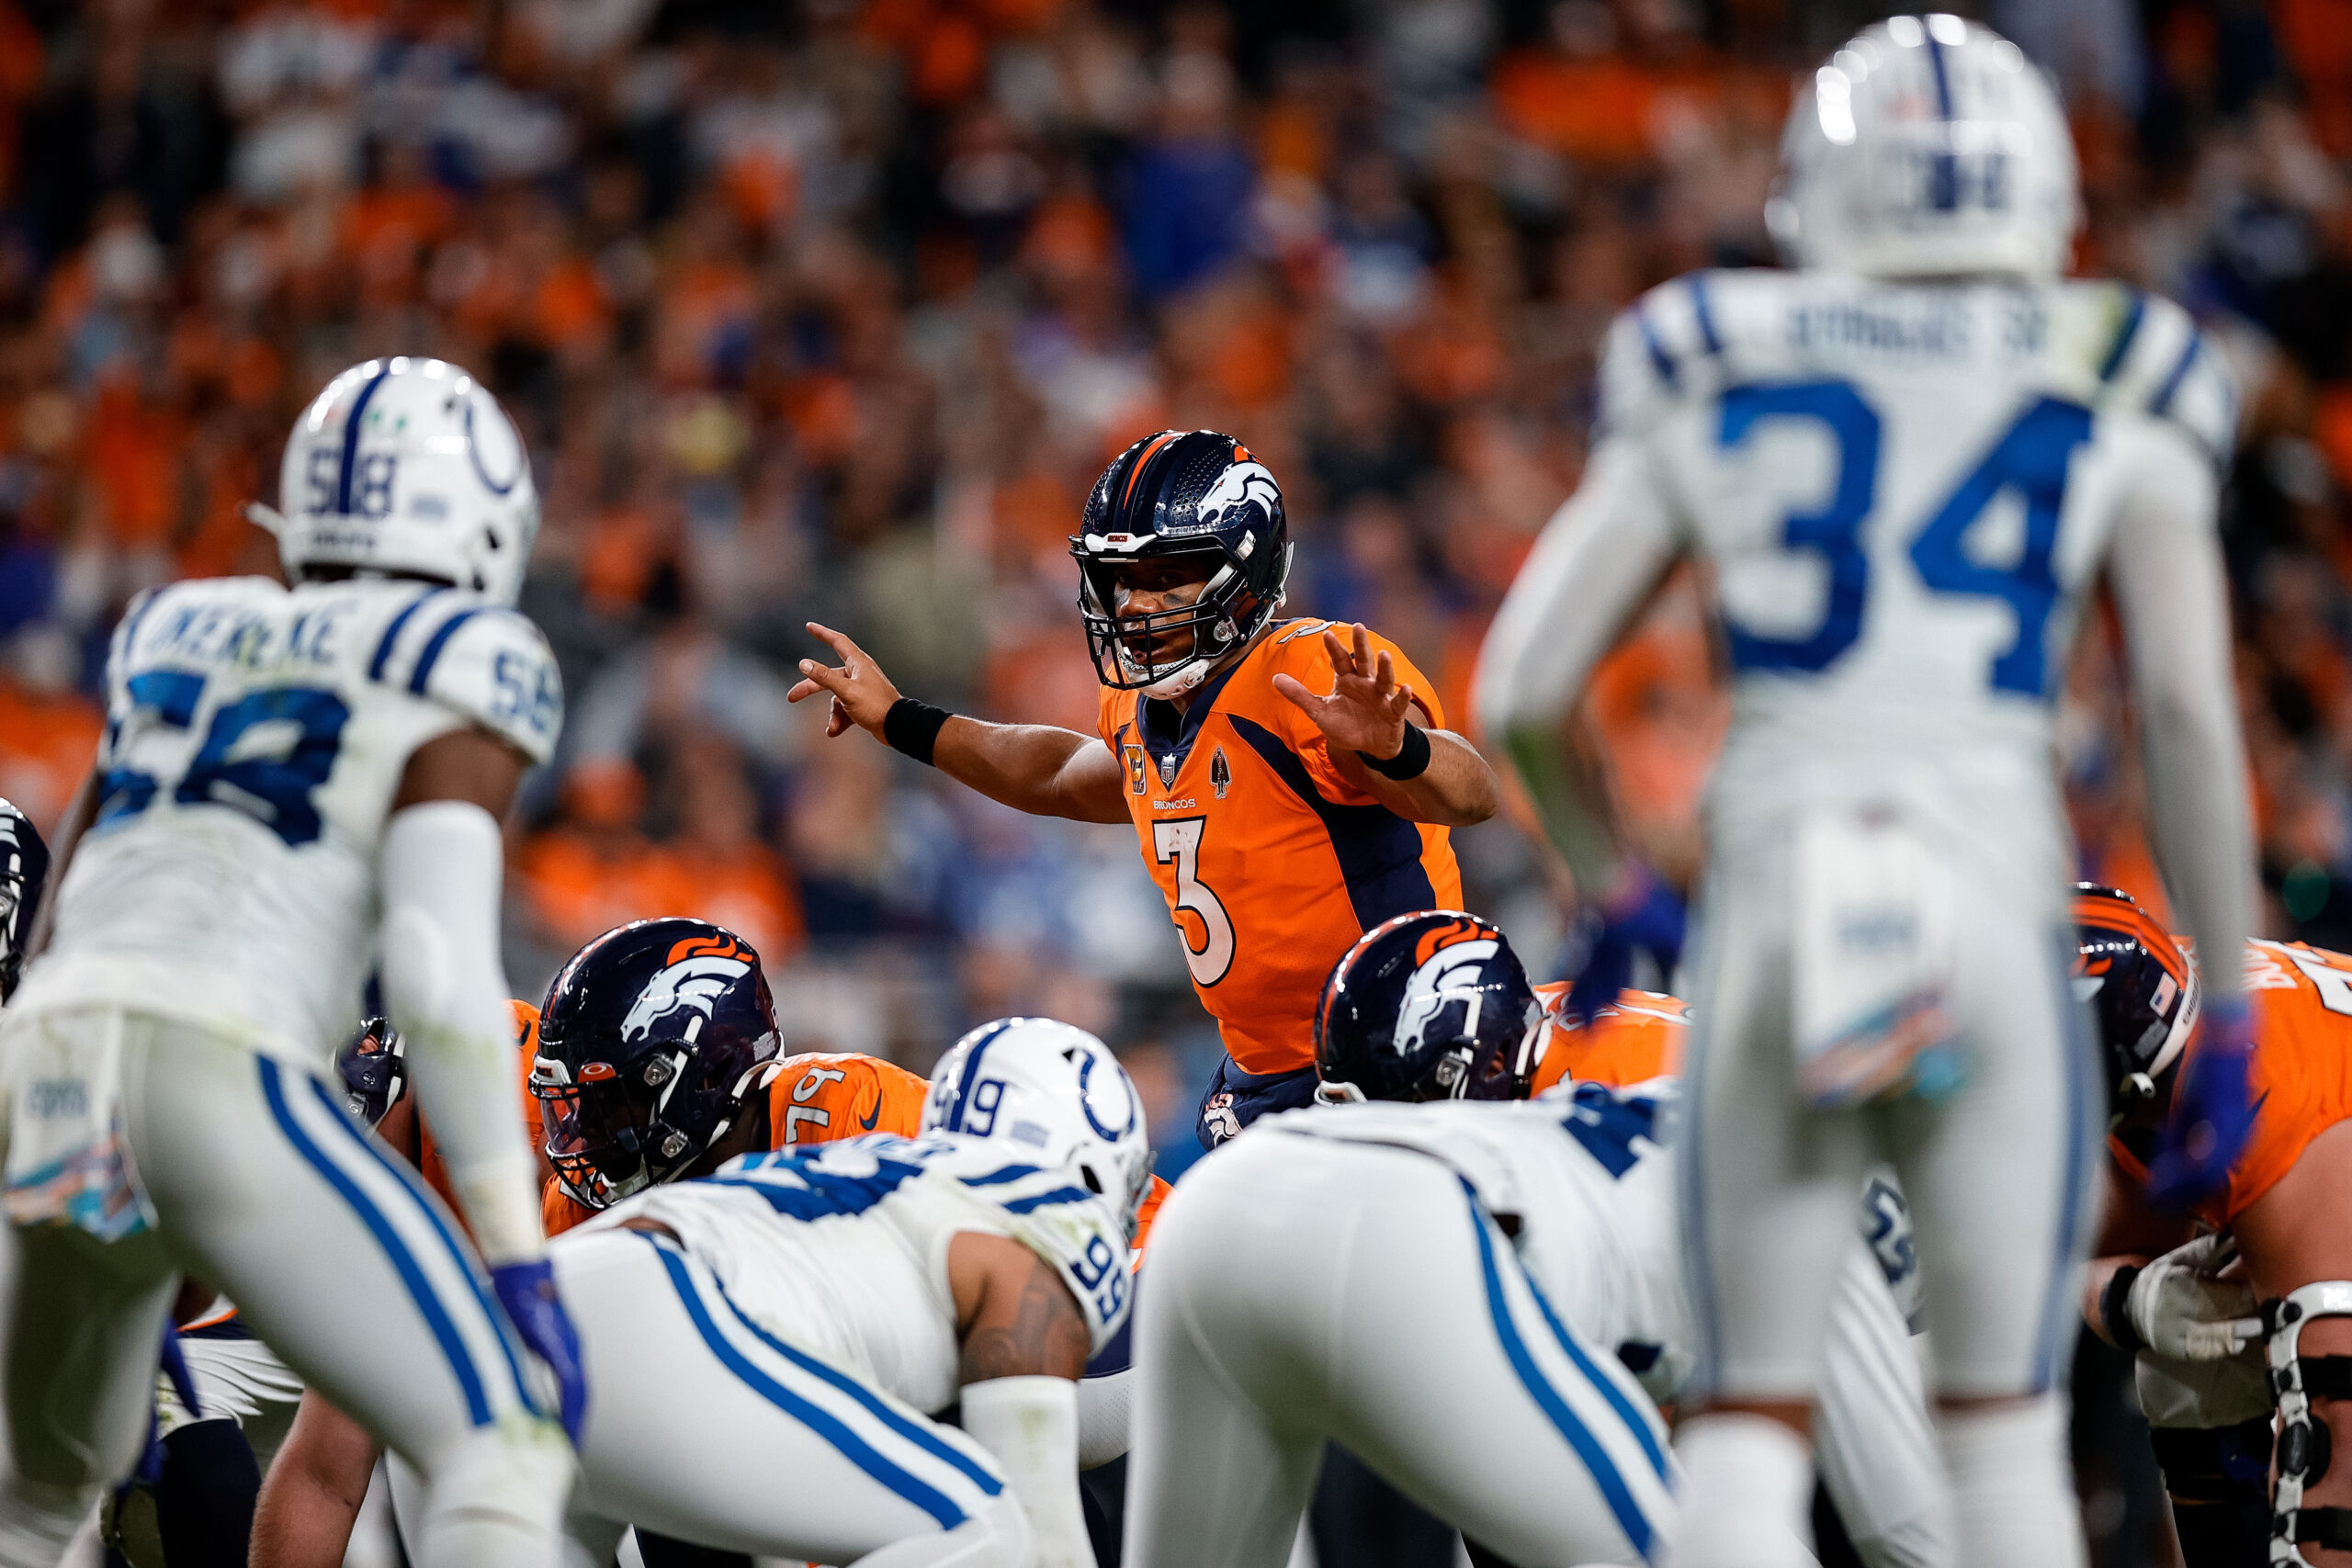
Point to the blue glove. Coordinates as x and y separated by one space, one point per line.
527 1292
2212 1109
1645 914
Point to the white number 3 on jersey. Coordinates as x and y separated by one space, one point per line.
1181 841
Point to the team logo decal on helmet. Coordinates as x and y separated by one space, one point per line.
1428 1006
697 973
1198 497
652 1038
2141 988
1057 1093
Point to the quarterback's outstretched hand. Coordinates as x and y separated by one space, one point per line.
862 693
1642 915
2213 1108
527 1292
1366 709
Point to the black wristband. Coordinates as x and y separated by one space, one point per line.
1410 762
2114 1309
913 728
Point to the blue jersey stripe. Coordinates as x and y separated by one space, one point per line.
920 1493
1651 1449
439 641
420 1289
351 438
1039 1200
1379 852
2161 404
1588 1448
392 632
1660 360
463 1257
1706 315
2133 315
998 1178
915 1432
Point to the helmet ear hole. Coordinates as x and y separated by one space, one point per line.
1093 1182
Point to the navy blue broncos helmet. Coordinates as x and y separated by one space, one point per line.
652 1039
1176 495
24 872
1428 1006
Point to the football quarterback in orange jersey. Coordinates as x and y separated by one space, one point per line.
1291 783
2266 1281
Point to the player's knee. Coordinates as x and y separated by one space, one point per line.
38 1520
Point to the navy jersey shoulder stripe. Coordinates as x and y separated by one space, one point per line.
392 632
2134 314
1661 361
434 645
2161 404
1705 312
1379 851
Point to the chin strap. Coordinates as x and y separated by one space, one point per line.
2305 1449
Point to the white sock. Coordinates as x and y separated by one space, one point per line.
498 1496
1746 1494
2013 1485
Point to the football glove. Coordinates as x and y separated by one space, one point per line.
1643 914
527 1292
2212 1110
2180 1309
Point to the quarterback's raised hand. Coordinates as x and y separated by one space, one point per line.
862 695
1366 710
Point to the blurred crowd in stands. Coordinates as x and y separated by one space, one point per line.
832 309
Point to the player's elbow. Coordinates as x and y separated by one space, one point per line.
1468 792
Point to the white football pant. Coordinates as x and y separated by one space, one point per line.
704 1426
1308 1290
2001 1174
338 1257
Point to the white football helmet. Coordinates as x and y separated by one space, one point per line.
1055 1091
1928 146
407 466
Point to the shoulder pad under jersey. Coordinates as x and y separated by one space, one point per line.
1663 348
2153 360
483 661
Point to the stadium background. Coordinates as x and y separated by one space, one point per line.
833 310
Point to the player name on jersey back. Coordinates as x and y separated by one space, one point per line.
255 738
1905 489
842 1251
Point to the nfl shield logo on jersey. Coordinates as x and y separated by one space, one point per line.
1168 771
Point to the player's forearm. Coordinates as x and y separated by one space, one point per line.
444 989
1029 1424
1025 766
312 1497
2170 586
1598 561
1456 790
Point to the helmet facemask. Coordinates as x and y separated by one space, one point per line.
1221 619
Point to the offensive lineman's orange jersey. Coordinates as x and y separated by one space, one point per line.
1636 1038
2301 1076
1271 863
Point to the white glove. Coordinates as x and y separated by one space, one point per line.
2183 1312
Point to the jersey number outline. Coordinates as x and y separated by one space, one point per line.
269 778
1607 1121
1179 840
2333 985
2030 457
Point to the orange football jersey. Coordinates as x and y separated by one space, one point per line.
1271 863
814 1098
2301 1074
1636 1038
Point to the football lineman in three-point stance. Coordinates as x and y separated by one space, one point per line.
1906 462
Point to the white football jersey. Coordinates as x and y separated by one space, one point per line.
1904 489
1594 1213
255 737
842 1251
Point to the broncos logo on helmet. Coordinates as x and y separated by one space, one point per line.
1428 1006
699 971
